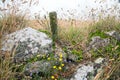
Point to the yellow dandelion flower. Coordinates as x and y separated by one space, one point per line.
60 59
62 65
49 58
59 68
52 77
54 67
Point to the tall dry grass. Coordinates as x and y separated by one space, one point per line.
75 34
72 33
11 19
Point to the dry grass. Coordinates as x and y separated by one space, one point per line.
110 72
7 25
75 34
72 33
65 24
10 21
6 72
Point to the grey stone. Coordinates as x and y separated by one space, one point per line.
42 66
82 72
114 34
72 57
58 51
27 43
65 56
89 70
99 60
98 43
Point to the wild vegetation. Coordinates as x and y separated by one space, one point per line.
71 38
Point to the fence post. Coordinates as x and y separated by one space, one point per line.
53 24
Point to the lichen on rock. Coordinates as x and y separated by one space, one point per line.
27 43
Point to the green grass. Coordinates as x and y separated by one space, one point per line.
73 35
74 39
112 51
107 24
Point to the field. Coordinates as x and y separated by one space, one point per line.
74 35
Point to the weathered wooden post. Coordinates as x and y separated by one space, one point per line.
53 24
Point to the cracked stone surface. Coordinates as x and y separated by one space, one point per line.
27 43
38 67
114 34
88 71
97 43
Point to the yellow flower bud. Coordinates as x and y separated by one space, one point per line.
60 59
59 68
62 64
54 67
52 77
49 58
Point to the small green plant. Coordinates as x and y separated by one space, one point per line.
73 39
46 32
78 53
57 66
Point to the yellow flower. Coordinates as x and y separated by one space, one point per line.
52 77
54 67
59 68
38 55
62 64
60 59
55 79
49 58
61 55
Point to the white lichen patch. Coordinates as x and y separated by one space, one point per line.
27 41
